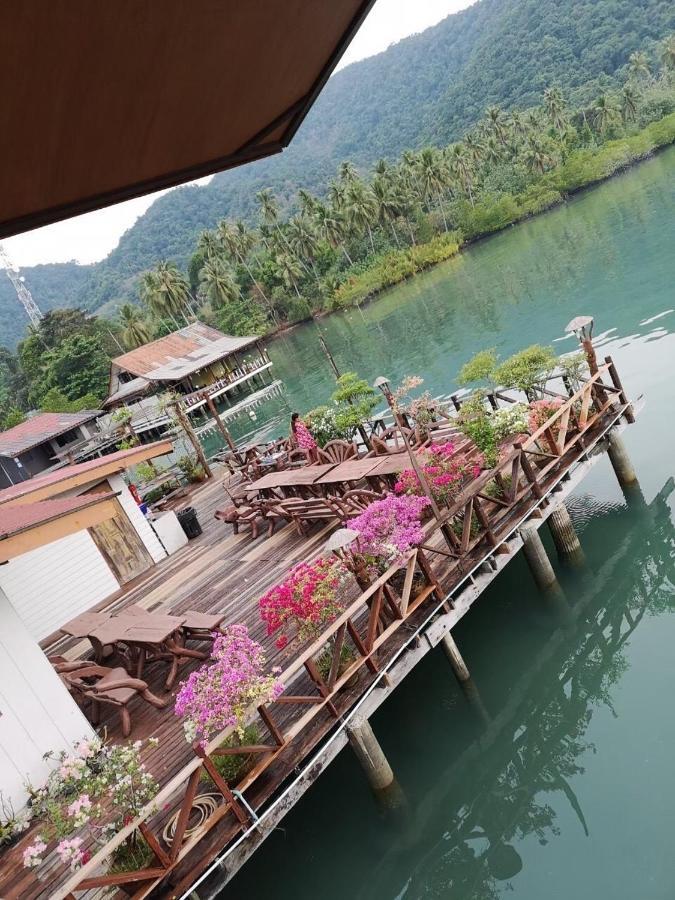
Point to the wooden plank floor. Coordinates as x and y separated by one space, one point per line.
216 572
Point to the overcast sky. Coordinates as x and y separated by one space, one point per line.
90 237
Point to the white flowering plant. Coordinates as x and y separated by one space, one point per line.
99 786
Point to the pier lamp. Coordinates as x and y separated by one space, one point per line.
582 327
382 384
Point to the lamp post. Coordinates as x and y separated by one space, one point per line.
382 384
582 327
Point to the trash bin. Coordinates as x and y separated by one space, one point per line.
189 522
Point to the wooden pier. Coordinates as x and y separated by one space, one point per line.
389 627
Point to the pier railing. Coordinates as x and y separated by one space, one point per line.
476 525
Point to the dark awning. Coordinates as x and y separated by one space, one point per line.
103 101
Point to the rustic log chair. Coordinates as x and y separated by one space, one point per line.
89 682
301 510
251 514
389 441
353 502
297 458
336 452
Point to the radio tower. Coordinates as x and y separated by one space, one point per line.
22 292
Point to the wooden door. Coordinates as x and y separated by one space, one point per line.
121 546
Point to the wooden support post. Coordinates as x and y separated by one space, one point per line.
220 424
459 667
620 460
629 415
370 754
192 436
565 537
537 559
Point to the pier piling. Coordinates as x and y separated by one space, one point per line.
564 536
370 754
451 649
621 461
537 558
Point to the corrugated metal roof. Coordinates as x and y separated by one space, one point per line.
41 428
15 519
34 484
178 354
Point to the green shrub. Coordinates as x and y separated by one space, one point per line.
233 767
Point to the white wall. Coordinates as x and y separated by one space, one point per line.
52 584
137 519
37 714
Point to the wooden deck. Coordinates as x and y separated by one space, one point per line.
223 572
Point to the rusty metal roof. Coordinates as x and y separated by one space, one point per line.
15 519
121 460
41 428
180 353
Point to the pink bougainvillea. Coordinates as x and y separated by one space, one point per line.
308 599
445 473
218 695
389 528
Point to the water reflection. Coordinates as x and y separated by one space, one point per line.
501 789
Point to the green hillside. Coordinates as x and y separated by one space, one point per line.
427 88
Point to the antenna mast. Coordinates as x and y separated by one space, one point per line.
22 292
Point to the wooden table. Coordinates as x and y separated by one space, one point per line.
391 464
290 478
148 638
349 470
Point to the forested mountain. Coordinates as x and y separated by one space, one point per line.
427 88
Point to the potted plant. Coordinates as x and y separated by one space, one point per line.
445 472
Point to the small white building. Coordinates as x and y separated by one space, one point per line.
51 584
67 540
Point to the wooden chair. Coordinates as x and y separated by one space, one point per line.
390 441
301 510
336 452
297 458
254 512
353 502
96 685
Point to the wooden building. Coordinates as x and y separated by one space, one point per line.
197 362
42 442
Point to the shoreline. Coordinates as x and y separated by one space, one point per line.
459 242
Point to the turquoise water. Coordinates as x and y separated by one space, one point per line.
569 791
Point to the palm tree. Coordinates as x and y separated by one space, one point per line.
239 241
165 291
492 151
433 177
307 202
217 283
629 103
604 113
347 172
135 329
668 53
638 65
209 245
554 105
304 242
269 208
474 147
388 203
290 271
495 123
330 228
460 166
537 158
361 208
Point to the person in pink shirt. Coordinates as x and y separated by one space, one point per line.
302 435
